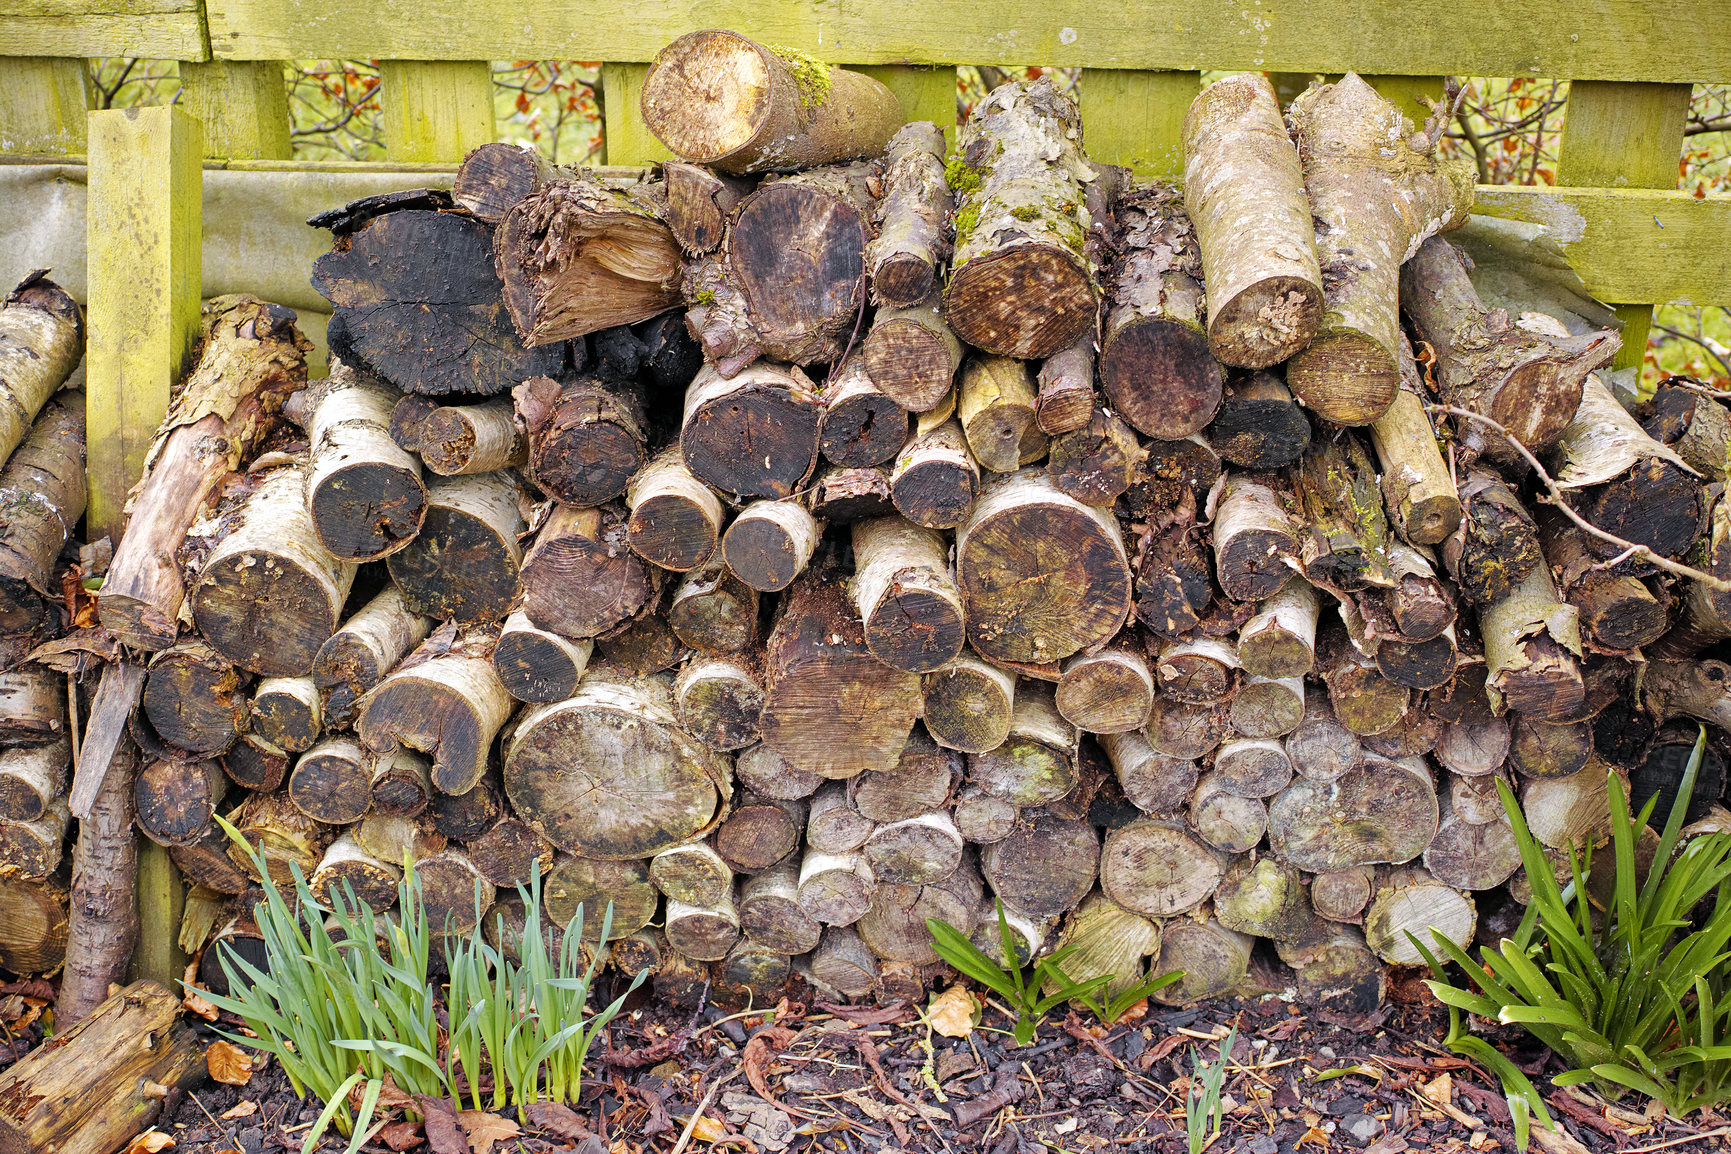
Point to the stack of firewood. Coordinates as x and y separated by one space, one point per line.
821 535
41 502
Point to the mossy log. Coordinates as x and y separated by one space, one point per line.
913 241
1380 811
1264 898
1036 763
1497 546
579 884
1345 541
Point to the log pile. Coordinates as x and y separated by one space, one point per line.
995 527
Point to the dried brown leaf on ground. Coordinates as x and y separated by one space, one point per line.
444 1136
557 1119
228 1063
951 1013
149 1142
763 1047
484 1129
402 1135
194 1003
243 1109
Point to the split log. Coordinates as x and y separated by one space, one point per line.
494 177
506 854
1020 285
755 435
1046 865
1042 575
106 1079
255 764
416 299
1321 748
348 871
103 911
821 680
700 202
1377 191
1097 463
1345 542
1264 898
1107 692
845 964
1280 641
909 606
1410 900
895 925
1244 193
1417 487
579 579
446 702
1694 425
717 316
1036 763
1155 365
206 863
1497 547
1255 537
765 772
1107 940
969 703
33 924
995 404
1267 707
1212 958
34 849
1570 812
836 889
454 894
42 338
1529 382
981 818
911 355
536 665
586 437
1158 868
936 477
719 700
269 595
770 914
32 778
1341 895
1532 645
675 518
42 498
861 424
576 257
194 699
1259 425
770 543
832 825
702 933
333 781
715 97
363 490
610 774
367 647
913 241
463 564
1380 811
1625 482
286 712
713 611
1154 782
1200 672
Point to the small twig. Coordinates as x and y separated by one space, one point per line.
1559 500
1719 1133
697 1114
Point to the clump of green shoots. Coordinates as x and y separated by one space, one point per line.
1203 1111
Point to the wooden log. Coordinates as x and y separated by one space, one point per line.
1418 664
495 177
1410 900
446 702
461 816
42 493
1696 689
463 564
1419 605
766 773
102 924
995 404
1380 811
1322 748
1618 613
755 435
1023 605
717 316
506 854
459 440
1264 898
402 784
832 825
1268 707
936 478
1244 193
255 764
363 490
1280 641
981 818
286 712
1528 382
576 257
909 606
1341 895
821 680
33 924
895 925
1020 186
1158 868
1258 425
1255 537
1693 424
273 827
1046 865
913 241
770 914
1155 366
1107 692
752 970
1097 463
861 425
693 874
394 839
715 97
1498 544
569 764
1036 763
713 611
911 355
106 1079
1179 729
1473 747
417 300
1341 973
1532 647
914 850
1066 381
31 778
835 888
1106 940
1624 481
349 872
578 579
675 518
1364 699
586 437
367 647
1212 958
918 784
1706 614
537 665
1154 782
1417 485
1199 672
845 964
333 781
174 801
760 832
454 893
719 699
1471 855
1370 196
1541 749
1415 736
969 704
700 202
42 335
194 699
32 705
1345 543
703 933
1252 767
34 849
770 543
269 594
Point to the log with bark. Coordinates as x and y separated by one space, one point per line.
1258 425
755 435
463 564
444 700
42 496
936 478
700 202
1417 484
911 355
363 490
586 437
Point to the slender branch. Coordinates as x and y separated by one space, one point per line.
1556 498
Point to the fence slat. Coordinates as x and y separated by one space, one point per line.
626 139
1137 118
925 93
1624 136
243 106
43 101
435 110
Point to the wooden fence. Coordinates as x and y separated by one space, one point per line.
1614 214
